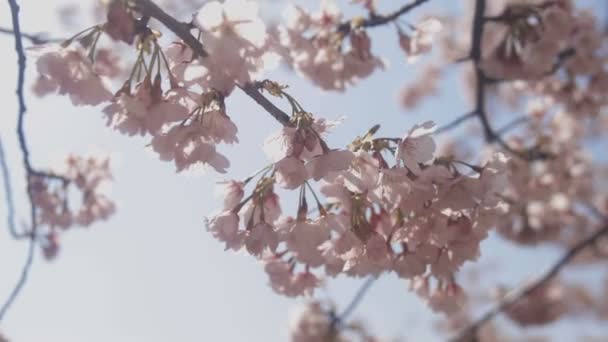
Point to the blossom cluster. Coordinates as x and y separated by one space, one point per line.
381 205
54 197
414 214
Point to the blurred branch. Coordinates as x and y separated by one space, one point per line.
481 80
22 279
8 193
513 124
337 319
457 122
468 334
14 6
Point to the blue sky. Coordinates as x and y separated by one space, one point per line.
152 272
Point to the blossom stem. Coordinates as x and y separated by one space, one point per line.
314 194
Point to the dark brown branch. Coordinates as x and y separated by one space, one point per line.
253 90
481 81
468 334
14 6
378 20
182 30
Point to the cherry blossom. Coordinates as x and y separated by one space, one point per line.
69 71
417 146
320 58
419 207
420 41
54 204
235 38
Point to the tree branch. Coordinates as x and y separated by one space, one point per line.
22 279
457 122
8 194
253 90
357 299
14 6
182 30
468 334
338 319
378 20
481 80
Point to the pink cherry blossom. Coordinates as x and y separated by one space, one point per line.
290 172
421 40
224 227
417 146
69 71
332 161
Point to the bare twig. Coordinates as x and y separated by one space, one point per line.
252 89
22 279
14 6
8 194
356 300
182 30
468 334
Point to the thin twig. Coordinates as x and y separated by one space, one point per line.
468 334
356 300
182 30
457 122
14 6
8 193
22 279
513 124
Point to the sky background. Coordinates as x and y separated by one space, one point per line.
152 272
